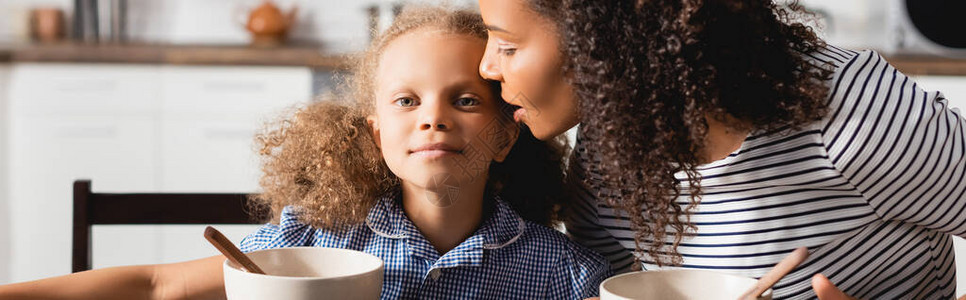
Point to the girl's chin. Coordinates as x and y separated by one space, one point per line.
439 183
429 175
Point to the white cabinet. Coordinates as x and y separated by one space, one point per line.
129 128
209 119
4 210
208 156
117 153
84 89
62 129
243 93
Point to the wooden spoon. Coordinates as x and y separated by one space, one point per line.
229 250
776 273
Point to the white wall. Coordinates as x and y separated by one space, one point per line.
855 24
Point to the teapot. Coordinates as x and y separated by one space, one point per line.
268 25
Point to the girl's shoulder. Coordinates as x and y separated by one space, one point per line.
509 231
559 246
576 271
292 232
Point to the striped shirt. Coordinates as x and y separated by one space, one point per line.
874 190
507 257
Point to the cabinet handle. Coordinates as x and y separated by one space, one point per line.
88 132
229 134
234 86
87 86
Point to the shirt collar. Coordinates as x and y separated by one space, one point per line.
503 227
387 218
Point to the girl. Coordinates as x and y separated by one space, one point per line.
411 174
720 135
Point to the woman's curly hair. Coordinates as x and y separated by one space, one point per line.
323 160
648 73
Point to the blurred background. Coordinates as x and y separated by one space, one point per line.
165 96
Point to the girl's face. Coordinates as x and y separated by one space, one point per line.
436 120
523 54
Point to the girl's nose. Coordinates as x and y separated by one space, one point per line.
490 64
434 117
438 126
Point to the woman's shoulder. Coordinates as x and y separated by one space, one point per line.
863 78
831 57
849 68
859 78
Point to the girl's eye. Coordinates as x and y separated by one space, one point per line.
467 101
406 102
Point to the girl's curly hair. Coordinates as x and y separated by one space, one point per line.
324 162
648 73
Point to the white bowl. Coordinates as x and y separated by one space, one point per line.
306 273
677 284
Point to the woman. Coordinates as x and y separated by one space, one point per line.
721 135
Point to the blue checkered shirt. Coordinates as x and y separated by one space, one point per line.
507 257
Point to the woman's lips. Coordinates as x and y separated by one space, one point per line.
519 114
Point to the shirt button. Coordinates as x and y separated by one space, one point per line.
435 273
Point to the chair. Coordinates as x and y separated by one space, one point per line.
142 208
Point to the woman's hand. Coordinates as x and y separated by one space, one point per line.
825 290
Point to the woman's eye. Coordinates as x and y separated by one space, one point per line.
467 101
405 102
506 51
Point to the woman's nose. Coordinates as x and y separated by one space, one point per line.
490 64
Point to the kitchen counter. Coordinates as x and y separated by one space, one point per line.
928 65
303 55
308 56
5 54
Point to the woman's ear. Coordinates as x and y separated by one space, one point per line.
374 124
513 132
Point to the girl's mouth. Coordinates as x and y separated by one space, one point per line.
434 153
435 150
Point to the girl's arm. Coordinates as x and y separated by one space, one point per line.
196 279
